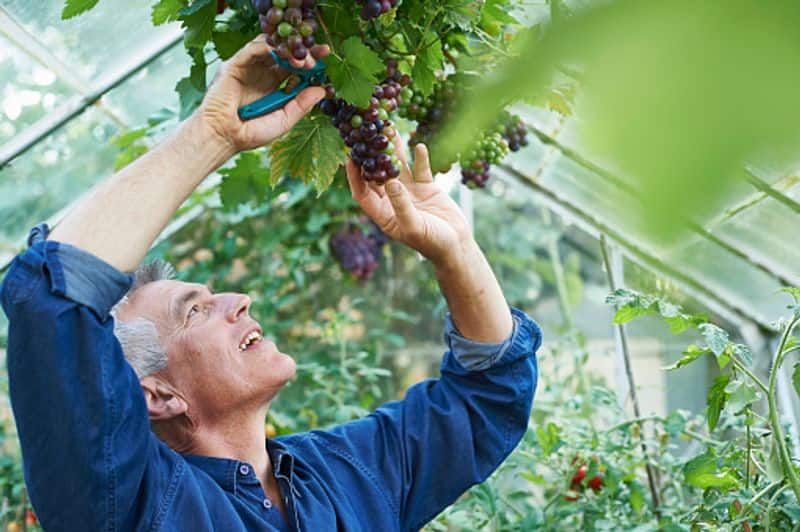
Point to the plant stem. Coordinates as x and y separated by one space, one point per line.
777 430
741 367
769 506
651 478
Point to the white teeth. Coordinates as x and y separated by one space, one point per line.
251 338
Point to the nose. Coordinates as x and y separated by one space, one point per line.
238 305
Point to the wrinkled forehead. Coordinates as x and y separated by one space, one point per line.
160 301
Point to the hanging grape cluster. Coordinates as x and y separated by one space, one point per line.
430 113
358 251
490 149
514 131
289 25
374 8
369 132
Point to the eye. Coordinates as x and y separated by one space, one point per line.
195 308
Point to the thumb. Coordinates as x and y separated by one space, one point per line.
404 210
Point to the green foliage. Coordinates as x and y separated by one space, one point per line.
73 8
354 71
702 471
678 108
166 11
312 150
245 182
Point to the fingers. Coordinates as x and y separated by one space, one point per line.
361 192
318 51
301 104
422 164
400 152
406 214
255 50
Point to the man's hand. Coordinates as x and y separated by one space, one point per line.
244 78
413 210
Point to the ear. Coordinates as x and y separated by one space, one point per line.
163 401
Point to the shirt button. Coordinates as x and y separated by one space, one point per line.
267 504
244 469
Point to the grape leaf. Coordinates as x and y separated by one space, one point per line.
461 13
428 60
229 42
192 88
716 400
245 182
354 71
196 6
701 471
73 8
198 21
312 150
166 11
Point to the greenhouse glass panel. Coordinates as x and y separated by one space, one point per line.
94 42
150 89
57 170
29 90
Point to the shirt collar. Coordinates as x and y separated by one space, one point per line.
281 458
228 473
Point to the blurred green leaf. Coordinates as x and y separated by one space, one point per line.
676 97
73 8
691 354
702 472
716 400
166 11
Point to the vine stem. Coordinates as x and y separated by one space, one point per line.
777 430
770 504
741 367
651 478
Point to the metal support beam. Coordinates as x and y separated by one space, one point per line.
785 276
591 225
150 51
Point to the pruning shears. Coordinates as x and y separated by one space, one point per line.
278 98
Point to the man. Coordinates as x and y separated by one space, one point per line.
200 375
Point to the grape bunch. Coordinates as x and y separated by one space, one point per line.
374 8
490 149
514 131
430 114
369 133
359 252
289 25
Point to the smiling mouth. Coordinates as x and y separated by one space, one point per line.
251 340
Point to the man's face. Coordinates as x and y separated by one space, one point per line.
216 357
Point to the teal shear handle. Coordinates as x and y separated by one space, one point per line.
277 99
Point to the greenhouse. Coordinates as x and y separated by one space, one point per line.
633 188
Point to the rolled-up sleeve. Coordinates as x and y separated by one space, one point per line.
450 433
79 409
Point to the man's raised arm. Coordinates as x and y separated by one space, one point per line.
120 218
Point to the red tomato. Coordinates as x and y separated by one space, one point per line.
571 496
596 483
579 475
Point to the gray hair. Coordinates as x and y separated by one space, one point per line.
139 337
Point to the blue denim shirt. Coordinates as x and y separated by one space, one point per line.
92 463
